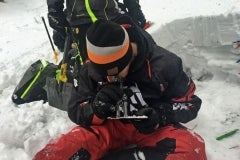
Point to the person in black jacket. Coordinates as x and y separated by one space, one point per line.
128 69
79 15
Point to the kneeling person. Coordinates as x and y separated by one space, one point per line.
132 56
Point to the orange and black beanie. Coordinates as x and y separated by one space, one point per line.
108 47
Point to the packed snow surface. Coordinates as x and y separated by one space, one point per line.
200 31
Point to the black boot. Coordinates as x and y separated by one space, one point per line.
145 153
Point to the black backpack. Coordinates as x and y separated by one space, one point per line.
32 85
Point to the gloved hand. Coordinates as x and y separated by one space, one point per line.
148 125
57 20
105 101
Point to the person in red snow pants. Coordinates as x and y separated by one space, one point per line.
167 143
127 68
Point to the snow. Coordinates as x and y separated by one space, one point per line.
200 31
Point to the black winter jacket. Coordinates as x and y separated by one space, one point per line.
87 11
158 74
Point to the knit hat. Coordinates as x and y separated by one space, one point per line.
108 47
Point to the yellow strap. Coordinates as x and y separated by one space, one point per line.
63 75
42 67
90 12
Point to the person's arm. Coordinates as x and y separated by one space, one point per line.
80 109
91 104
183 104
178 103
186 107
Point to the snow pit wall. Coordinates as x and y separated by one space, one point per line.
205 45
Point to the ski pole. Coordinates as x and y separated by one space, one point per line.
55 54
228 134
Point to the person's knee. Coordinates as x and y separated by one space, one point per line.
191 146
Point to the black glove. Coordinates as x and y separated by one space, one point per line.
105 101
148 125
57 20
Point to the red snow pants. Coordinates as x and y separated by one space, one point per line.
114 135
